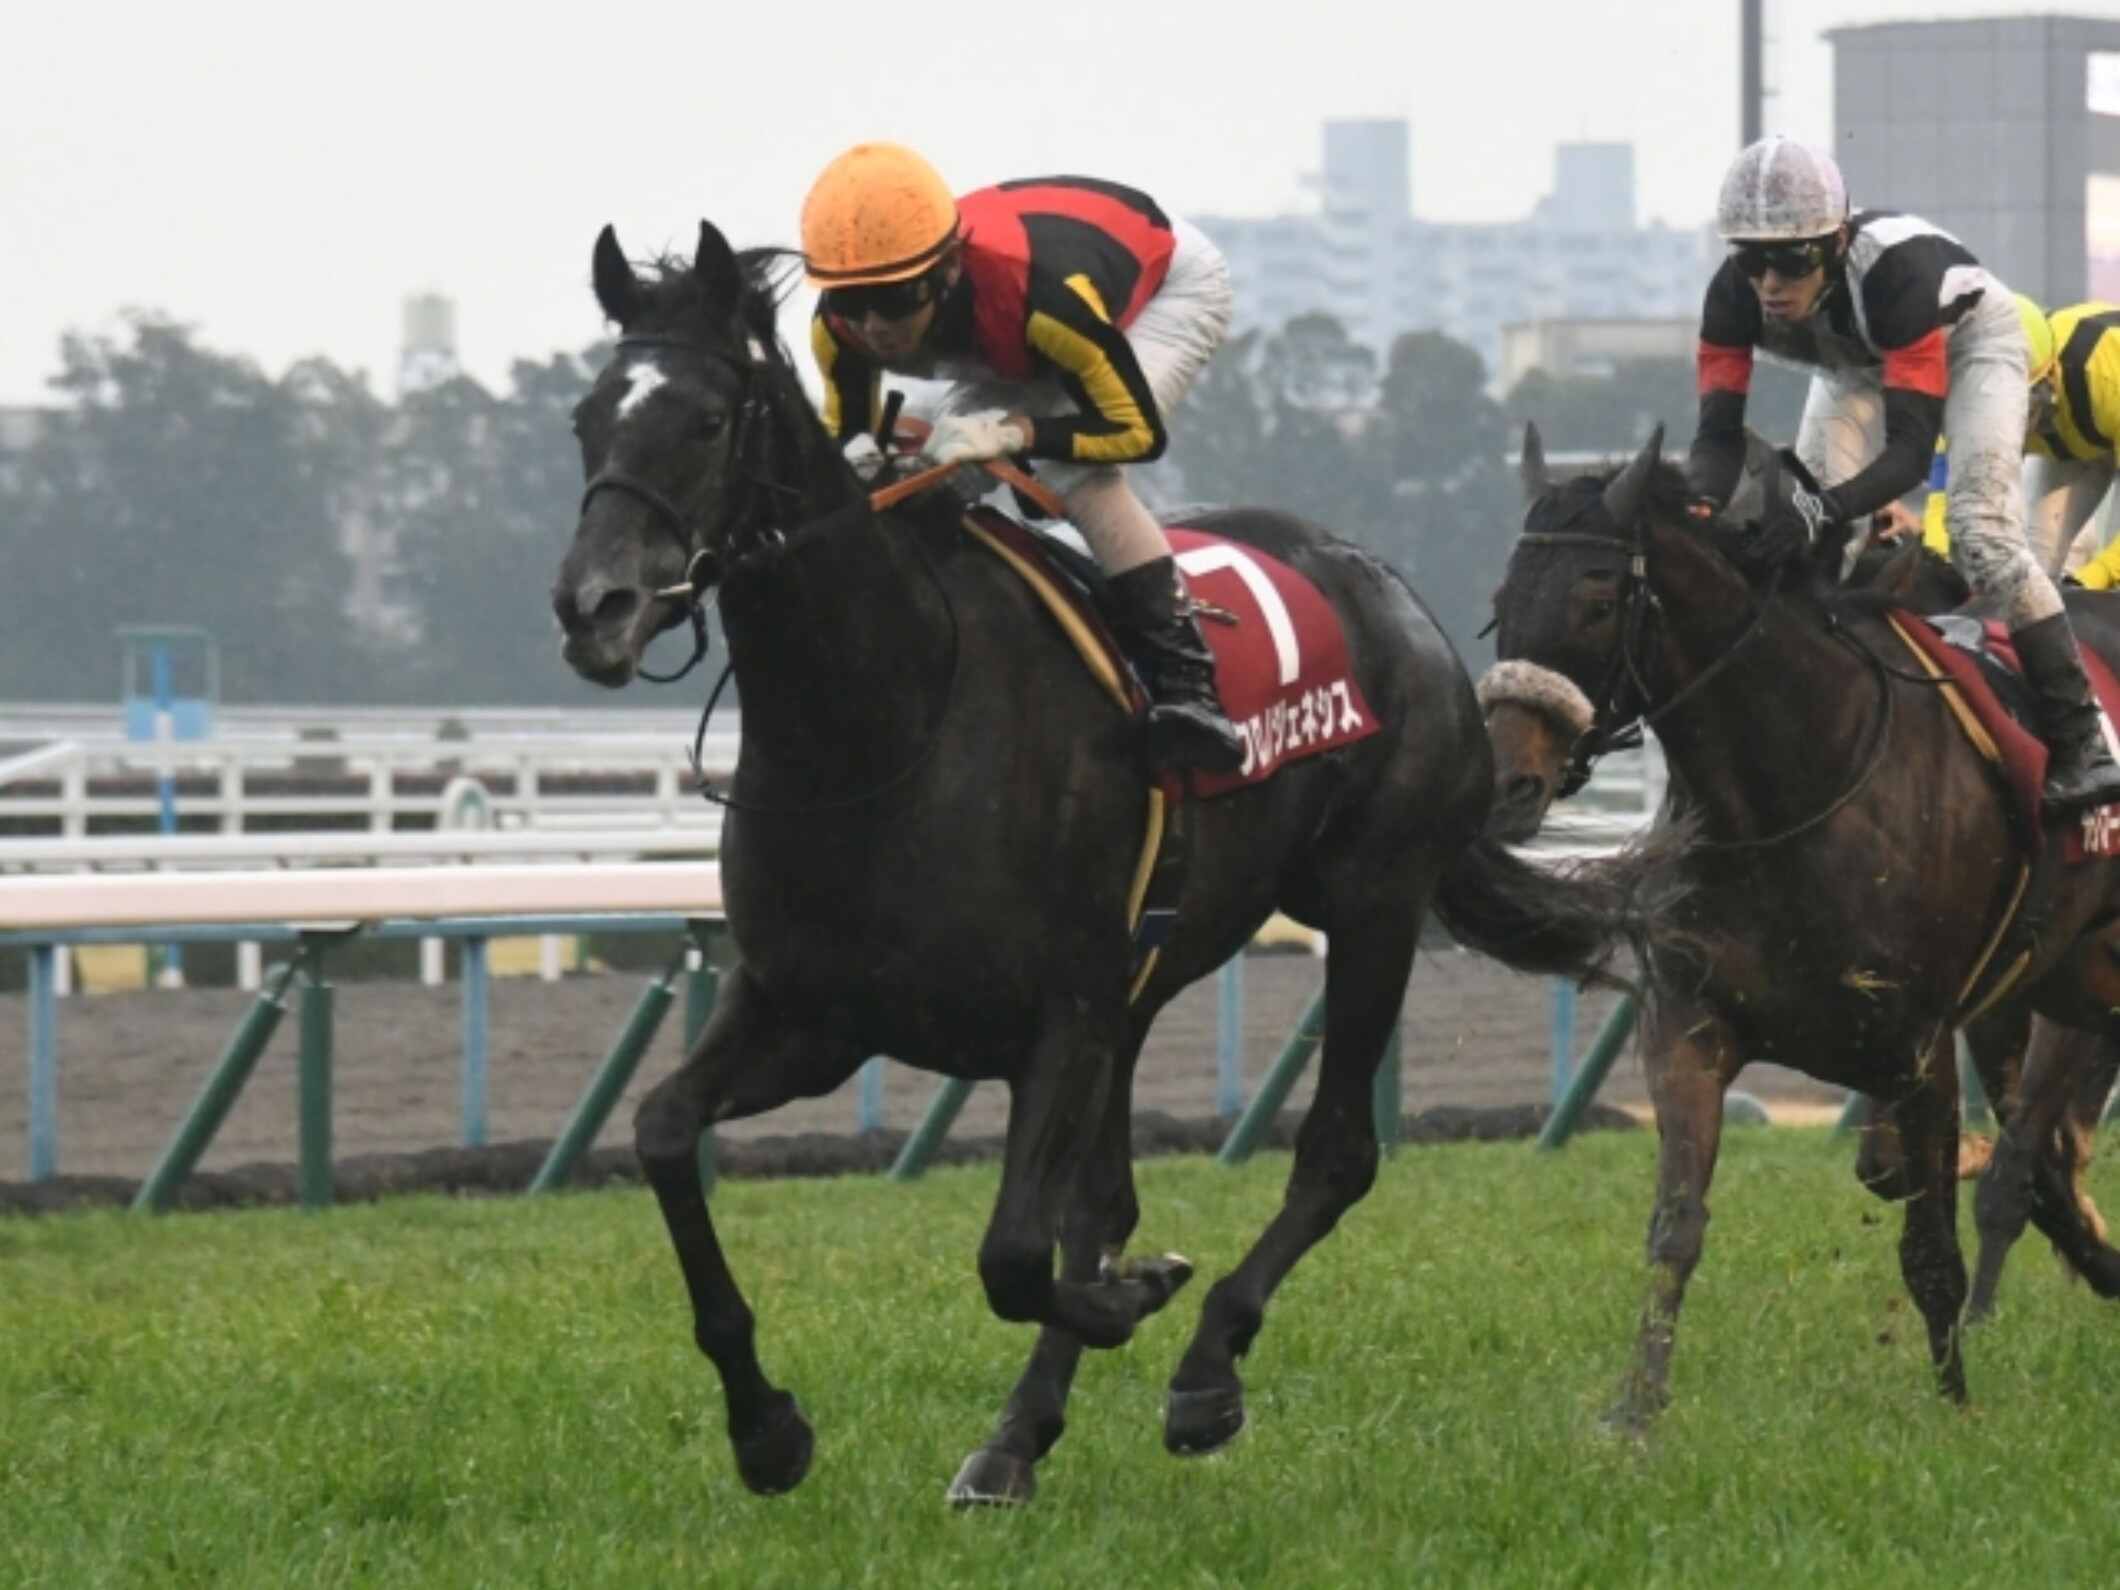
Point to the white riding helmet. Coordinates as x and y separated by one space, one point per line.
1780 190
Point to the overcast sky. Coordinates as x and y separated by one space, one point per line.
282 173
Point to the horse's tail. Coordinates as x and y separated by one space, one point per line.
1566 919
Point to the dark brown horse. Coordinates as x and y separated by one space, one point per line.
1850 860
932 840
1537 722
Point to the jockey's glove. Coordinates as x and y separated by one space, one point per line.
1791 526
865 457
974 438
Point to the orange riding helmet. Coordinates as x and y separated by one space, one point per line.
879 213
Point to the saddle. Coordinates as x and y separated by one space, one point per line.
1282 667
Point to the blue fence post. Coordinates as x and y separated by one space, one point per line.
43 1061
313 1086
1229 1052
1563 1038
164 676
1582 1091
1974 1099
478 1006
871 1116
1388 1090
1258 1117
912 1161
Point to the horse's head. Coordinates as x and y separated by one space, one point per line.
1535 722
686 442
1574 596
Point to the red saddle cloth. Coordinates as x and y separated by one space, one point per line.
1281 663
2022 753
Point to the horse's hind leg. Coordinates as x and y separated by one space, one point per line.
1335 1159
2038 1164
1690 1057
2004 1199
1930 1260
1101 1215
1057 1104
748 1061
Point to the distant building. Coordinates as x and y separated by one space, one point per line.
1592 347
427 356
2004 131
19 430
1368 260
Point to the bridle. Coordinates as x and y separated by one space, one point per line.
1622 699
747 529
749 534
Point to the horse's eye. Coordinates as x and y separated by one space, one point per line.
1598 611
713 425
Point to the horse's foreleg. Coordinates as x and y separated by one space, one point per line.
1691 1058
1335 1165
746 1062
1101 1215
1929 1256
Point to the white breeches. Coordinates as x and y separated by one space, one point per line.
2061 497
1173 337
1984 416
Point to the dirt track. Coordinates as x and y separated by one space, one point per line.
130 1064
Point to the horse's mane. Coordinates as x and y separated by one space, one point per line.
1883 579
671 290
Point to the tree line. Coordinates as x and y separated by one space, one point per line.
173 484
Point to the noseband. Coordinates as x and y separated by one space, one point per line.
1616 728
1617 725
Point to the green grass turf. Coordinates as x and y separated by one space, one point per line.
505 1393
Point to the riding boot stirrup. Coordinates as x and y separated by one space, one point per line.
1187 726
2080 771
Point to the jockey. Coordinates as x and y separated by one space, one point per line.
2075 430
1907 337
1070 315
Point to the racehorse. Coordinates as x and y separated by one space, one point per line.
1537 722
1848 862
932 833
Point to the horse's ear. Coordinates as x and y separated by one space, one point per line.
1531 468
617 288
714 267
1623 497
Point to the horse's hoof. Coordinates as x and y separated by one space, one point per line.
777 1458
1158 1279
992 1478
1196 1423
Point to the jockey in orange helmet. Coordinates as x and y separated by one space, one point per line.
1070 316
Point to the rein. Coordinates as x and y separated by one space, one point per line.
702 568
705 570
1640 610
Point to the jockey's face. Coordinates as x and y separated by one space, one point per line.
893 335
1789 278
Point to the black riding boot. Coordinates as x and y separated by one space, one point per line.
1187 727
2080 772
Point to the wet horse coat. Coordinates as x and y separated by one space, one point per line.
1849 862
933 825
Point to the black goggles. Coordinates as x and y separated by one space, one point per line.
886 300
1786 260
